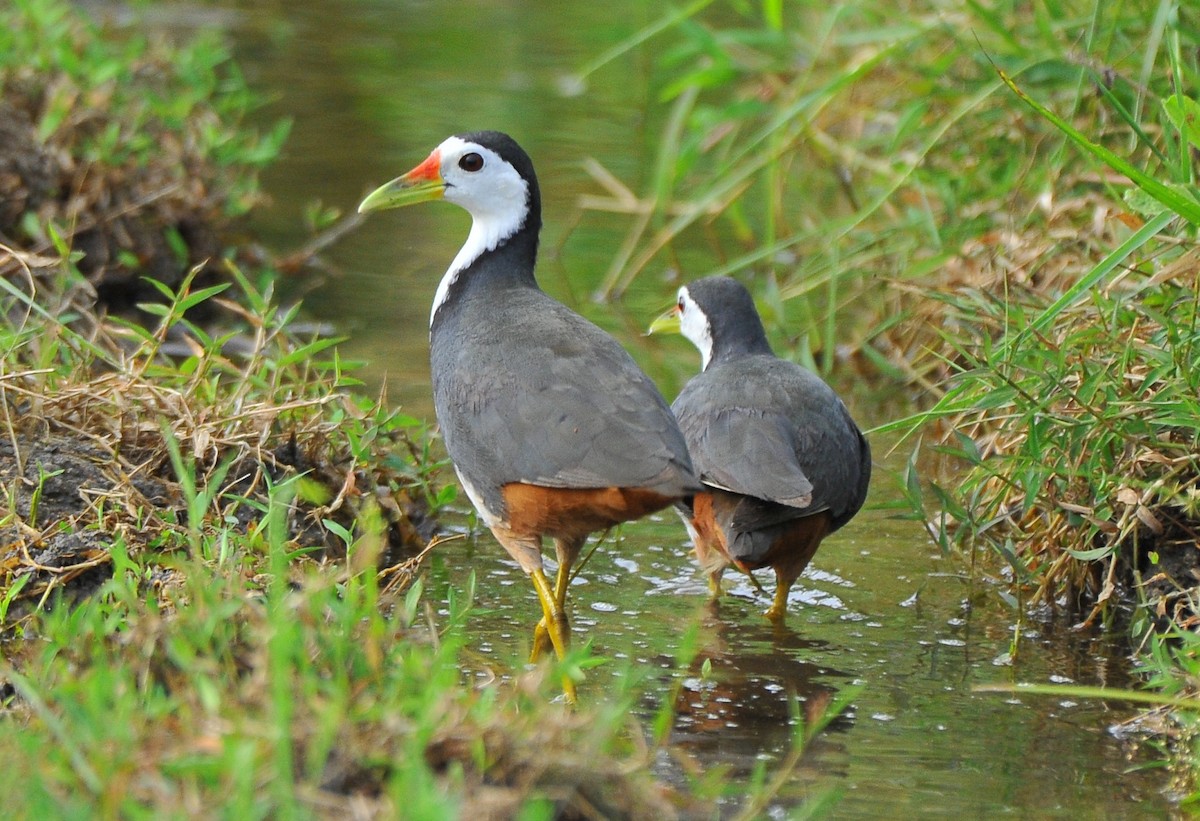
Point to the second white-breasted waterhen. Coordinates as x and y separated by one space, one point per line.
553 430
782 462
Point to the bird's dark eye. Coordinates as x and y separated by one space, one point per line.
679 306
470 162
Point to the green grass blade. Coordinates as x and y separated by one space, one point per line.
1184 206
1102 270
57 728
953 403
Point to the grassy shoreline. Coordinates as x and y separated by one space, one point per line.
233 616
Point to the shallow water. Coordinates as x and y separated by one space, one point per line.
373 87
878 608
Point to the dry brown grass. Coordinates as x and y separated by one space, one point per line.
1083 470
90 409
1049 252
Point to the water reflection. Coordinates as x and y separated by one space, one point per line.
878 609
759 680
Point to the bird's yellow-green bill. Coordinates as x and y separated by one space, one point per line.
667 323
422 184
400 192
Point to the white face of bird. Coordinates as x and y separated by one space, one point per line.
477 179
490 189
694 325
473 177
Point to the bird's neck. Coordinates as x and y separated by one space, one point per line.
728 350
490 259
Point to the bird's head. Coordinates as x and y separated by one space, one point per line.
485 172
717 315
688 318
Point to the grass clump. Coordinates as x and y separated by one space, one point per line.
134 149
171 438
1082 445
291 692
1076 407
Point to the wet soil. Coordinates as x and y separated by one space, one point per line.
72 496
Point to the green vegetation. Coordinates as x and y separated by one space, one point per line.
996 204
133 151
229 619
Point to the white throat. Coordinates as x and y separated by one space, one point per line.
496 197
694 325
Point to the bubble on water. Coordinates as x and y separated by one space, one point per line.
604 607
628 565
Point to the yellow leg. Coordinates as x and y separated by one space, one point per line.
541 639
556 622
778 609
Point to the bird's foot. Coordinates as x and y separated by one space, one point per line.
778 609
714 585
775 614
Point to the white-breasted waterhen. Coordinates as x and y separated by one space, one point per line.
782 462
553 430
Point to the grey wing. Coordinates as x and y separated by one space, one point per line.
769 429
857 470
569 410
745 451
836 457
